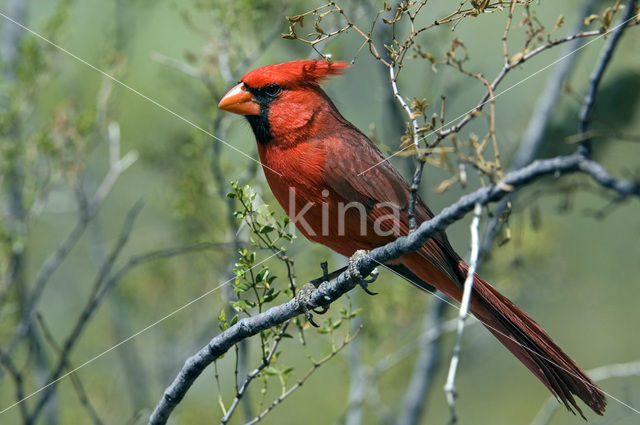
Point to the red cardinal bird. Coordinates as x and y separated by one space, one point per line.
336 186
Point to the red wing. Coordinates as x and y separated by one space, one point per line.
353 154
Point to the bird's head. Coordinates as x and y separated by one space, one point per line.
279 100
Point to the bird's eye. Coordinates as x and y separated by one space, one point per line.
272 90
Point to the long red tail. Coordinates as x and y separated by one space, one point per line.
531 344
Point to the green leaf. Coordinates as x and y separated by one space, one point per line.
355 312
287 371
271 295
262 275
266 229
222 321
270 370
240 305
242 287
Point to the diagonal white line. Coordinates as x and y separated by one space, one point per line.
505 90
177 116
457 307
124 341
128 87
253 159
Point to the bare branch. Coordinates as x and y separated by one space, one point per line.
598 72
10 53
88 209
425 366
542 112
449 386
94 302
544 106
233 225
328 292
302 380
357 381
86 314
77 383
18 380
414 130
617 370
505 47
266 362
505 70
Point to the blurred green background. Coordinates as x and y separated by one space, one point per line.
576 274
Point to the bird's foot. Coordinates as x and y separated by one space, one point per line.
353 273
303 297
303 301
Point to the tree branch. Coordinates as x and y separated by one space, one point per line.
533 135
88 209
357 377
618 370
75 379
251 376
328 292
449 386
543 109
18 379
86 314
425 366
598 72
312 369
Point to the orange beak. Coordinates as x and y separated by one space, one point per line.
239 101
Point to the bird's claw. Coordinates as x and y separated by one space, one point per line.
303 302
353 273
364 283
303 297
320 310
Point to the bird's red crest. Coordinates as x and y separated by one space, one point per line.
306 71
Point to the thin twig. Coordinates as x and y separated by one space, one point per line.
598 72
449 386
302 380
328 292
417 177
87 312
75 379
617 370
16 221
542 112
464 119
18 380
114 279
425 366
179 65
265 362
505 70
88 209
505 47
128 355
357 382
